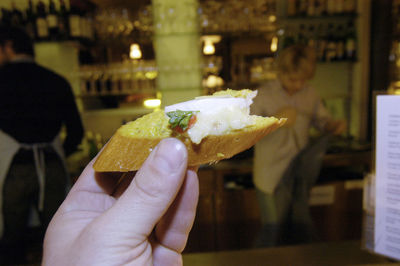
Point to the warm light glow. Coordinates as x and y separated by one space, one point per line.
213 81
272 18
151 74
208 47
209 41
152 103
135 52
274 44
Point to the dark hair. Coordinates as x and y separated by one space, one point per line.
20 40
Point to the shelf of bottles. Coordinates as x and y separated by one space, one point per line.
47 23
327 26
321 8
394 56
130 77
332 42
118 79
249 16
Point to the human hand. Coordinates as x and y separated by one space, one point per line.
336 127
287 112
145 221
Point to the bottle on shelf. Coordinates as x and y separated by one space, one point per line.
52 21
302 7
74 22
291 8
320 7
341 42
16 16
350 6
312 38
331 7
351 42
301 37
339 7
321 42
330 52
311 8
42 30
63 21
30 20
108 84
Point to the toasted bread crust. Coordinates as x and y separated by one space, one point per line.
125 153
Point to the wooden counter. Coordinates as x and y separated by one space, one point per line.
333 253
347 159
330 160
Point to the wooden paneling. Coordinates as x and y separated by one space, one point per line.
237 219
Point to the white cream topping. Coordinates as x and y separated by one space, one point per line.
217 115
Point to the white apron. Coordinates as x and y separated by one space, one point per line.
9 147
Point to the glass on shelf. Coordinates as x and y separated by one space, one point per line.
262 69
213 16
122 78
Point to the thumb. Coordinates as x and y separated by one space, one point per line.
151 192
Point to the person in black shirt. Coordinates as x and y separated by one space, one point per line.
35 103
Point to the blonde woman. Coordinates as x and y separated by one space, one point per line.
289 96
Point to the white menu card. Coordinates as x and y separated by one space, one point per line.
387 205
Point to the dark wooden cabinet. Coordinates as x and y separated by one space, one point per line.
226 219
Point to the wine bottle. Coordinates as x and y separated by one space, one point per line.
330 54
16 16
339 7
350 6
321 42
319 7
311 8
52 21
63 21
291 8
42 29
351 42
341 42
312 42
331 7
301 37
30 19
74 21
302 7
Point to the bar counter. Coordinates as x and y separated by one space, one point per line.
329 253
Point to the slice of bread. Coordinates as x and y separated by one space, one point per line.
133 142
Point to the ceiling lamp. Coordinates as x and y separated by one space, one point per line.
209 41
135 52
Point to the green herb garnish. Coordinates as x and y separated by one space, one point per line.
180 118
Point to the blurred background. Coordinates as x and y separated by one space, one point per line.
125 58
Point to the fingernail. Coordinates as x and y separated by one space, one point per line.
170 154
